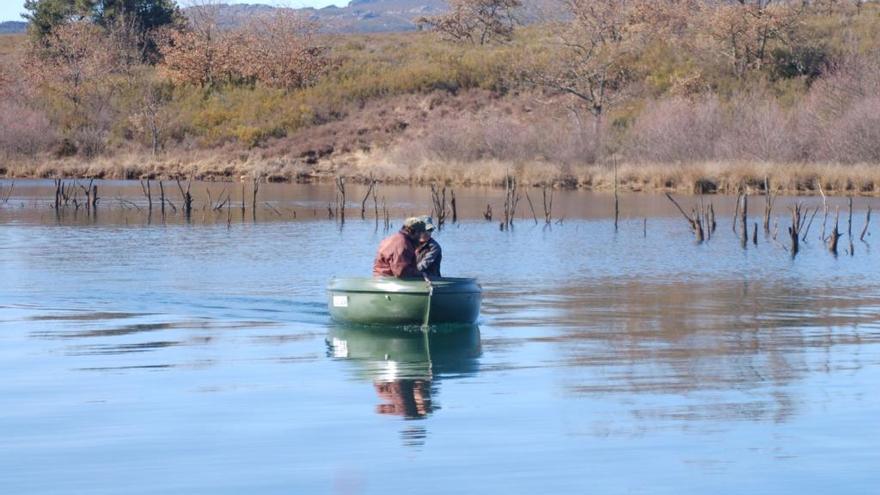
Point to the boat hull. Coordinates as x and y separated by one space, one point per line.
391 301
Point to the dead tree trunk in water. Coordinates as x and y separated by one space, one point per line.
93 198
256 190
376 208
794 232
340 185
511 198
91 192
186 198
488 213
438 202
744 217
548 205
454 206
370 186
162 199
809 224
616 200
736 213
693 220
824 212
703 215
58 186
531 207
835 234
849 228
148 193
5 199
712 224
768 205
867 221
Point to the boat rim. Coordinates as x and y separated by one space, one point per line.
386 285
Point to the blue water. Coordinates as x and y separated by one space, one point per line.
201 359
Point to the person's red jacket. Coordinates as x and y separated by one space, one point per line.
396 257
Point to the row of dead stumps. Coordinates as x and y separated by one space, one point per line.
444 206
440 211
701 217
337 210
512 197
76 195
441 208
701 220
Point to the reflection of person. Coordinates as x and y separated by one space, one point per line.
408 398
396 256
428 252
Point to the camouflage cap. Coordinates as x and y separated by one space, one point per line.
419 224
429 223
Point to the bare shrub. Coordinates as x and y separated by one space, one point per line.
757 129
676 130
850 79
855 136
751 127
26 132
834 120
494 137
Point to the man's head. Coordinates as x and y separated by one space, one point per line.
419 228
429 229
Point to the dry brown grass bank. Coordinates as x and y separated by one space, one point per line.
694 178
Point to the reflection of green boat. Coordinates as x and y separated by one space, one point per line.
392 301
388 353
405 366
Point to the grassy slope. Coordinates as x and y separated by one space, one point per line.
391 88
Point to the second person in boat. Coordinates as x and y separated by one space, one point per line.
428 252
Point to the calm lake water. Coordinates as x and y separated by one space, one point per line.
174 357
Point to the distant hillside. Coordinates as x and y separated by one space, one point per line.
360 16
12 27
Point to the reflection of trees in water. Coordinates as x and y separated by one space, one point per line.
734 348
405 368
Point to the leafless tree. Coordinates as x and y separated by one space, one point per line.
477 22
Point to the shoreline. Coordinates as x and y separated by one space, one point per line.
694 178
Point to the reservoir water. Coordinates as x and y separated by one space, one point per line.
148 356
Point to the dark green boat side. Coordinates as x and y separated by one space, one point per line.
393 301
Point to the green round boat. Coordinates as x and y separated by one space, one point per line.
394 301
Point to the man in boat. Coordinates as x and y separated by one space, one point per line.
396 256
428 252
